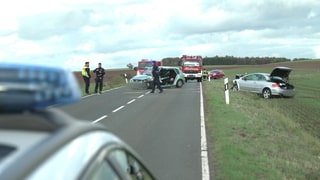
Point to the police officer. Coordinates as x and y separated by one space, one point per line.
99 78
156 80
86 76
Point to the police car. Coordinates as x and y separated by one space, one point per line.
39 141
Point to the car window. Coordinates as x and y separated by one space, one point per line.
129 164
260 77
5 151
250 77
104 171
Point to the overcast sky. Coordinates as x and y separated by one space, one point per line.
117 32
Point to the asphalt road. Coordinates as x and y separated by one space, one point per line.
163 128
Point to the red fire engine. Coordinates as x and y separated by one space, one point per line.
146 64
191 66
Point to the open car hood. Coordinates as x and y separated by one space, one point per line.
282 72
142 77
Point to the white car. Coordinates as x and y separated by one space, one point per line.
169 77
267 85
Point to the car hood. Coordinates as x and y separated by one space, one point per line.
282 72
141 77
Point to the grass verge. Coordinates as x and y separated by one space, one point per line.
254 138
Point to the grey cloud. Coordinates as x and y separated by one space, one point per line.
37 27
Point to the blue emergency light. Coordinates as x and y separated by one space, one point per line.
31 87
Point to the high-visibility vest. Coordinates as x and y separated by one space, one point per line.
204 72
84 72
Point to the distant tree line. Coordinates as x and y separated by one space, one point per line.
229 60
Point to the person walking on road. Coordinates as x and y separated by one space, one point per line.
156 80
99 71
86 76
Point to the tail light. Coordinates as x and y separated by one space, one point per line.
275 85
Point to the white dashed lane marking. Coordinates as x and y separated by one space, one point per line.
97 120
131 101
118 109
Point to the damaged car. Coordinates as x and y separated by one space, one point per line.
267 85
169 77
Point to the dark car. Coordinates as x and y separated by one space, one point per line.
216 74
267 85
39 141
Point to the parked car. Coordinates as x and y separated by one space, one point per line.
267 85
39 141
216 74
169 77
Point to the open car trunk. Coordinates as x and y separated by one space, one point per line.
280 75
282 72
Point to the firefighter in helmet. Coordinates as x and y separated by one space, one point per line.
204 74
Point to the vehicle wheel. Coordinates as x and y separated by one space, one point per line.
235 87
179 83
144 86
149 85
266 93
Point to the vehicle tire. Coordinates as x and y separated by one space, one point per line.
235 87
179 83
266 93
149 85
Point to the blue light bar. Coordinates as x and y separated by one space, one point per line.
29 87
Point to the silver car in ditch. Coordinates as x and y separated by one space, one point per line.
267 85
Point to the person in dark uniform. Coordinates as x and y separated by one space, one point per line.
99 71
86 76
156 80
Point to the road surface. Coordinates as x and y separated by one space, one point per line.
163 128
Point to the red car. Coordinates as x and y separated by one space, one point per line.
216 74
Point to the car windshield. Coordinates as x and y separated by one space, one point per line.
145 65
191 63
147 71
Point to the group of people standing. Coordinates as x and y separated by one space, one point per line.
99 71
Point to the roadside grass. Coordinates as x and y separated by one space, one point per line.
254 138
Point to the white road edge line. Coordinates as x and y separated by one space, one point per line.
97 120
118 109
131 101
140 96
204 149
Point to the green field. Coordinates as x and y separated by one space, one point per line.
255 138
